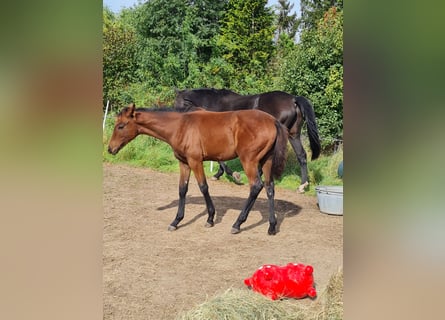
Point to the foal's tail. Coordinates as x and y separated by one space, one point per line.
280 150
309 115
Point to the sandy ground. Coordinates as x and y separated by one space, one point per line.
152 273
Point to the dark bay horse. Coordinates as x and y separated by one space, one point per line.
288 109
202 135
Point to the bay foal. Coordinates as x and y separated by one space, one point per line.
256 137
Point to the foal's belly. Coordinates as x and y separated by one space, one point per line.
221 155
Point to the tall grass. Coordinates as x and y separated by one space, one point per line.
145 151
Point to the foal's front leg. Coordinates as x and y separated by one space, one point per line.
184 177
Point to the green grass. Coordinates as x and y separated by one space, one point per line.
145 151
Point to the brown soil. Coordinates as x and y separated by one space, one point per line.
152 273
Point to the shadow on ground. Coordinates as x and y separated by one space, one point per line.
283 209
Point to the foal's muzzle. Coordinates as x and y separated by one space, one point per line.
113 152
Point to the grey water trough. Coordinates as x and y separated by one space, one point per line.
330 199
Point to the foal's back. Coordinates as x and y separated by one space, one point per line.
227 135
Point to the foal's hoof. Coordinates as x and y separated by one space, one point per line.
237 177
271 232
213 178
172 228
235 231
302 187
209 225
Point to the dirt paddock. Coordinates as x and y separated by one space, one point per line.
151 273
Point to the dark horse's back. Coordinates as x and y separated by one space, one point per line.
207 98
281 105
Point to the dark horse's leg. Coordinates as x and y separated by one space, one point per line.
302 160
255 188
220 171
184 178
224 168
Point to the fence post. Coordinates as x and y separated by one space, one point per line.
105 117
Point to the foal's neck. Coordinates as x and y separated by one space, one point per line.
159 124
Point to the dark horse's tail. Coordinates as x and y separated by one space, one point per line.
309 115
280 150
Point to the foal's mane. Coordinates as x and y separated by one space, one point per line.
153 109
159 109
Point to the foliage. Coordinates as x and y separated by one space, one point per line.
313 10
177 39
315 69
246 36
119 56
286 23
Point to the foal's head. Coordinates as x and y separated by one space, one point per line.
125 129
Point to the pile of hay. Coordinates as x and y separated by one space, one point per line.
330 304
238 304
243 305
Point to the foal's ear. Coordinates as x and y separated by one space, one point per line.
130 111
135 115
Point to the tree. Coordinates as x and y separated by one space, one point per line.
246 39
176 38
205 20
119 52
286 29
202 26
286 22
161 38
312 11
315 70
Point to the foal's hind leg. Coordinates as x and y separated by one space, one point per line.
255 188
270 190
302 160
198 171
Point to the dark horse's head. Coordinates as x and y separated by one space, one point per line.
125 129
179 100
184 100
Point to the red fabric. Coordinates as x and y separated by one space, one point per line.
289 281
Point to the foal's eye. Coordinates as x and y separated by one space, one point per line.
121 126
